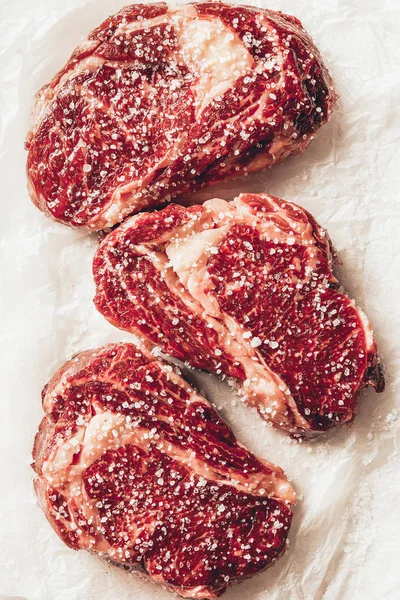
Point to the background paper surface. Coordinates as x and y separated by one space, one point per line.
344 543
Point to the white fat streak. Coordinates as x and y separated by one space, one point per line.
369 336
214 53
221 209
109 431
93 439
189 256
184 253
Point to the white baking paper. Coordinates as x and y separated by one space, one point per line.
345 540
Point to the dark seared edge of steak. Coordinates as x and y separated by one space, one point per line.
133 464
160 100
245 290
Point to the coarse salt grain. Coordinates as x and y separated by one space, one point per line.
255 342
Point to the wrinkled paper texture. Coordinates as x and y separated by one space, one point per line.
344 543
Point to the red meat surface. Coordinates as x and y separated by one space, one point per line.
131 463
245 290
161 100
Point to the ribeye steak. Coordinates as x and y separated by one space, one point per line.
133 464
161 100
244 289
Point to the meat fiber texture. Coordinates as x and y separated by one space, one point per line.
346 524
244 289
134 465
163 99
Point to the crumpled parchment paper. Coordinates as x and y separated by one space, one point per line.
344 543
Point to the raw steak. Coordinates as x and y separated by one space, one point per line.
133 464
161 100
244 289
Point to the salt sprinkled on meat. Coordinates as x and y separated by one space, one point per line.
133 464
161 100
274 322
